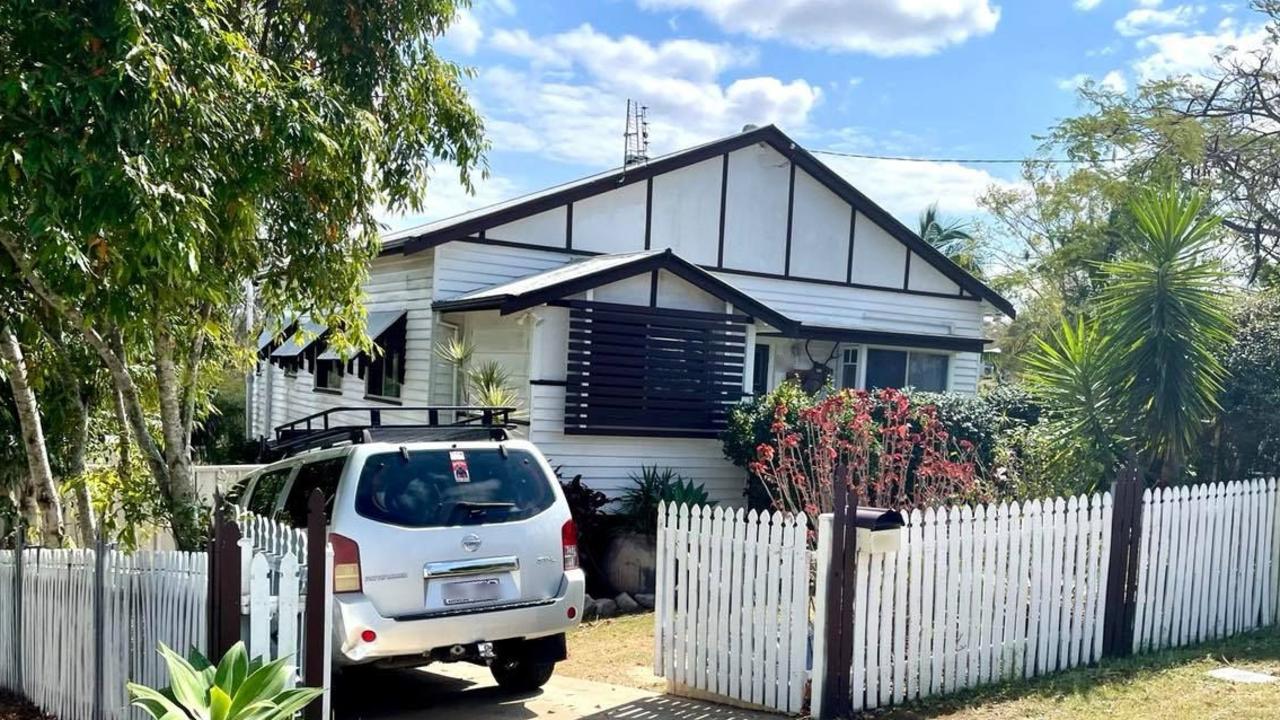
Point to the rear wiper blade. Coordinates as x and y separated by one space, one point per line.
463 509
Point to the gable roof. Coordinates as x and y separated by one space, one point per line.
589 273
470 223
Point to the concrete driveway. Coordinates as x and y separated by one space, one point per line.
461 691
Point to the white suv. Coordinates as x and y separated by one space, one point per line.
443 551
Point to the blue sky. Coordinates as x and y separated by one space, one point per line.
923 78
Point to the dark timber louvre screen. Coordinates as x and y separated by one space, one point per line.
651 371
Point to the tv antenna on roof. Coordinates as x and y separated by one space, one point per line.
636 137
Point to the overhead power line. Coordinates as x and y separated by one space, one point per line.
967 161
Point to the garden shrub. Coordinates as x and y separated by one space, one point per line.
652 487
895 454
992 423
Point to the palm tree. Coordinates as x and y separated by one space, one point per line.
952 239
1166 307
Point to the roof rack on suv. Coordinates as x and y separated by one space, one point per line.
408 423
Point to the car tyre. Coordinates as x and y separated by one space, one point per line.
514 675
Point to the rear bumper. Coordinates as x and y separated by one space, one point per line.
401 637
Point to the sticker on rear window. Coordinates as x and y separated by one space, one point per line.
458 460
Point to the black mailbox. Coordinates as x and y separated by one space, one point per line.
878 530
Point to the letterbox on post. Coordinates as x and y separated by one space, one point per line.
878 530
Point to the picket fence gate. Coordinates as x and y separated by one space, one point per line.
969 596
733 605
272 569
48 654
976 595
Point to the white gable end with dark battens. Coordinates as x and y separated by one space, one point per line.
631 309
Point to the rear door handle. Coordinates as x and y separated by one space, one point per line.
473 566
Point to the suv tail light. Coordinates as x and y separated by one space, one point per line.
346 564
569 542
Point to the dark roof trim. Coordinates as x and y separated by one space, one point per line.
878 337
643 264
767 134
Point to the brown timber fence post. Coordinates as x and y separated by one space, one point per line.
224 580
1122 571
315 653
836 692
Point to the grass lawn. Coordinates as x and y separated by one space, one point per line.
618 650
1167 686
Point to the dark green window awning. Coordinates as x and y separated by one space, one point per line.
376 325
307 334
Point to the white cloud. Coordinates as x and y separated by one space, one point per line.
446 196
567 102
1087 5
1147 19
879 27
465 33
1179 53
1114 81
1074 82
906 188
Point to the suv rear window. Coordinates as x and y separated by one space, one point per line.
440 488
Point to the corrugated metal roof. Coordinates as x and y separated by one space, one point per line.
301 339
376 324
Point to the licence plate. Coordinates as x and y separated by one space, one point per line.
471 591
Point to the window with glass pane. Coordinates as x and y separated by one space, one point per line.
928 371
329 374
849 368
760 371
886 368
386 372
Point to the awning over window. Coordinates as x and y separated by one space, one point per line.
375 326
301 339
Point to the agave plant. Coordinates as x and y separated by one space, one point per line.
656 485
237 688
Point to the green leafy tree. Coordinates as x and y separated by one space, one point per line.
158 158
1070 373
954 238
1166 308
1144 374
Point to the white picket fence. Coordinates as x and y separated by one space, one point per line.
148 598
272 571
733 605
971 595
1207 563
978 595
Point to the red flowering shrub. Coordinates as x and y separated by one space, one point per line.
897 457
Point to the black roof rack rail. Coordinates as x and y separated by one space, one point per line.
407 423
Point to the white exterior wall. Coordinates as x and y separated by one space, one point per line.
396 282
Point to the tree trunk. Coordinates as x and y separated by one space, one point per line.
39 475
177 490
85 520
177 448
124 463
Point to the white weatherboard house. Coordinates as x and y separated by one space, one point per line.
632 308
